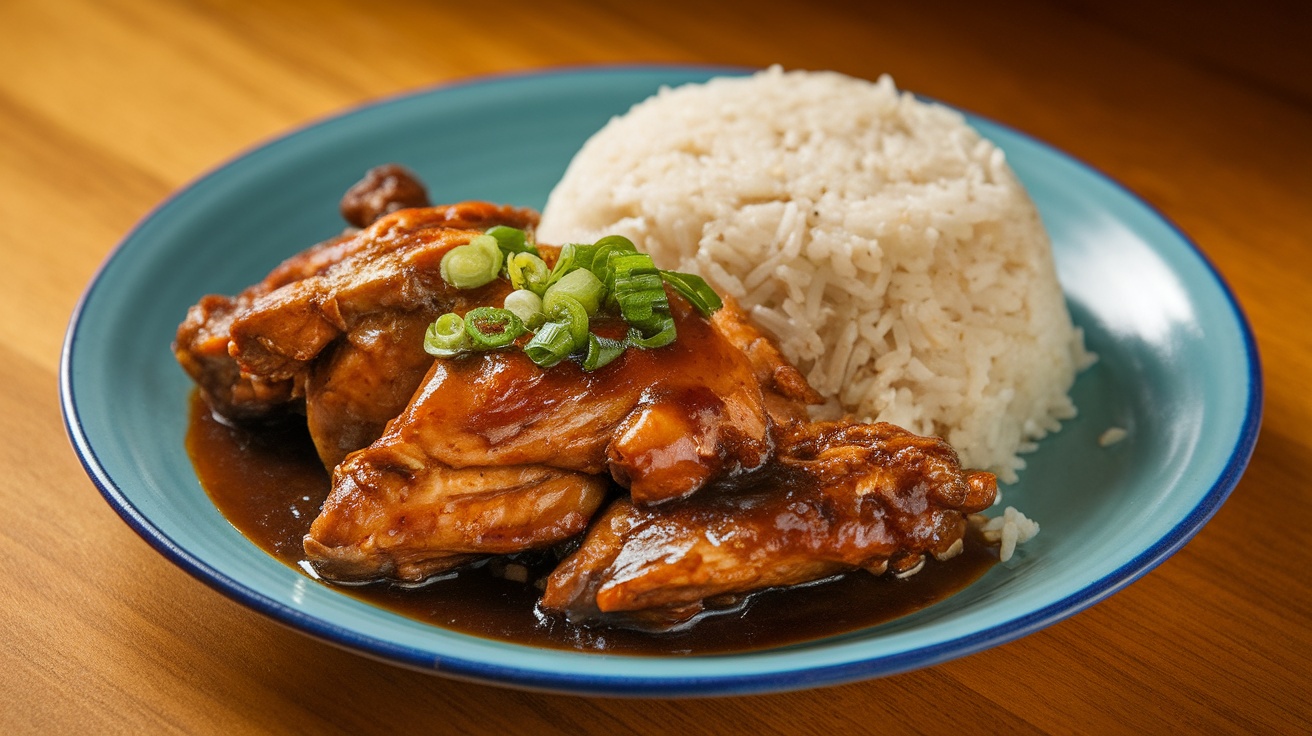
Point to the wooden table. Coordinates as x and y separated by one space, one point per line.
106 107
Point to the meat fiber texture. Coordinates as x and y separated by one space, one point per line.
883 242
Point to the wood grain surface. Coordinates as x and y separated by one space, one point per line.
1205 110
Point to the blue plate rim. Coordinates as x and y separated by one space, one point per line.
678 686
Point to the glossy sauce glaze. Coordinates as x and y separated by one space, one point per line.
270 484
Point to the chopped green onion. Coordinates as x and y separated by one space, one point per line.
527 306
565 309
602 350
642 299
552 343
446 336
490 327
472 265
631 263
558 302
594 256
490 245
617 242
512 240
695 289
564 263
580 284
639 292
527 271
659 338
597 259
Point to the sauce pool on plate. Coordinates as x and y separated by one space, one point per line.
270 484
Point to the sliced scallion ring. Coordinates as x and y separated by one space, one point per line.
564 262
695 289
511 239
662 337
446 336
528 271
642 300
489 328
565 309
472 265
580 284
558 302
527 306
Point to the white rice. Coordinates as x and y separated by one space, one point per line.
1006 531
1111 436
884 243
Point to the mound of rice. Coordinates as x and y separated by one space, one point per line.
885 244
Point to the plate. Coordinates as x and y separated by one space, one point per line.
1178 369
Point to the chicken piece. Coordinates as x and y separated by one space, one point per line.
383 190
201 344
662 422
352 336
397 517
394 268
364 380
787 393
838 497
338 330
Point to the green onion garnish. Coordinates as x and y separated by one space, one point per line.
659 339
446 336
580 284
602 350
564 263
695 289
528 271
527 306
489 327
639 292
512 240
556 304
474 264
570 312
551 344
594 257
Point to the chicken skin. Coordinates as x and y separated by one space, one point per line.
203 339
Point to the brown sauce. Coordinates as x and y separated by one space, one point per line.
269 484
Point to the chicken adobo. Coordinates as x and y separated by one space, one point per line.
472 397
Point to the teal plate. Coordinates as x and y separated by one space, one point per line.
1178 369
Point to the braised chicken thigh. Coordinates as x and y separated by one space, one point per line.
838 497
